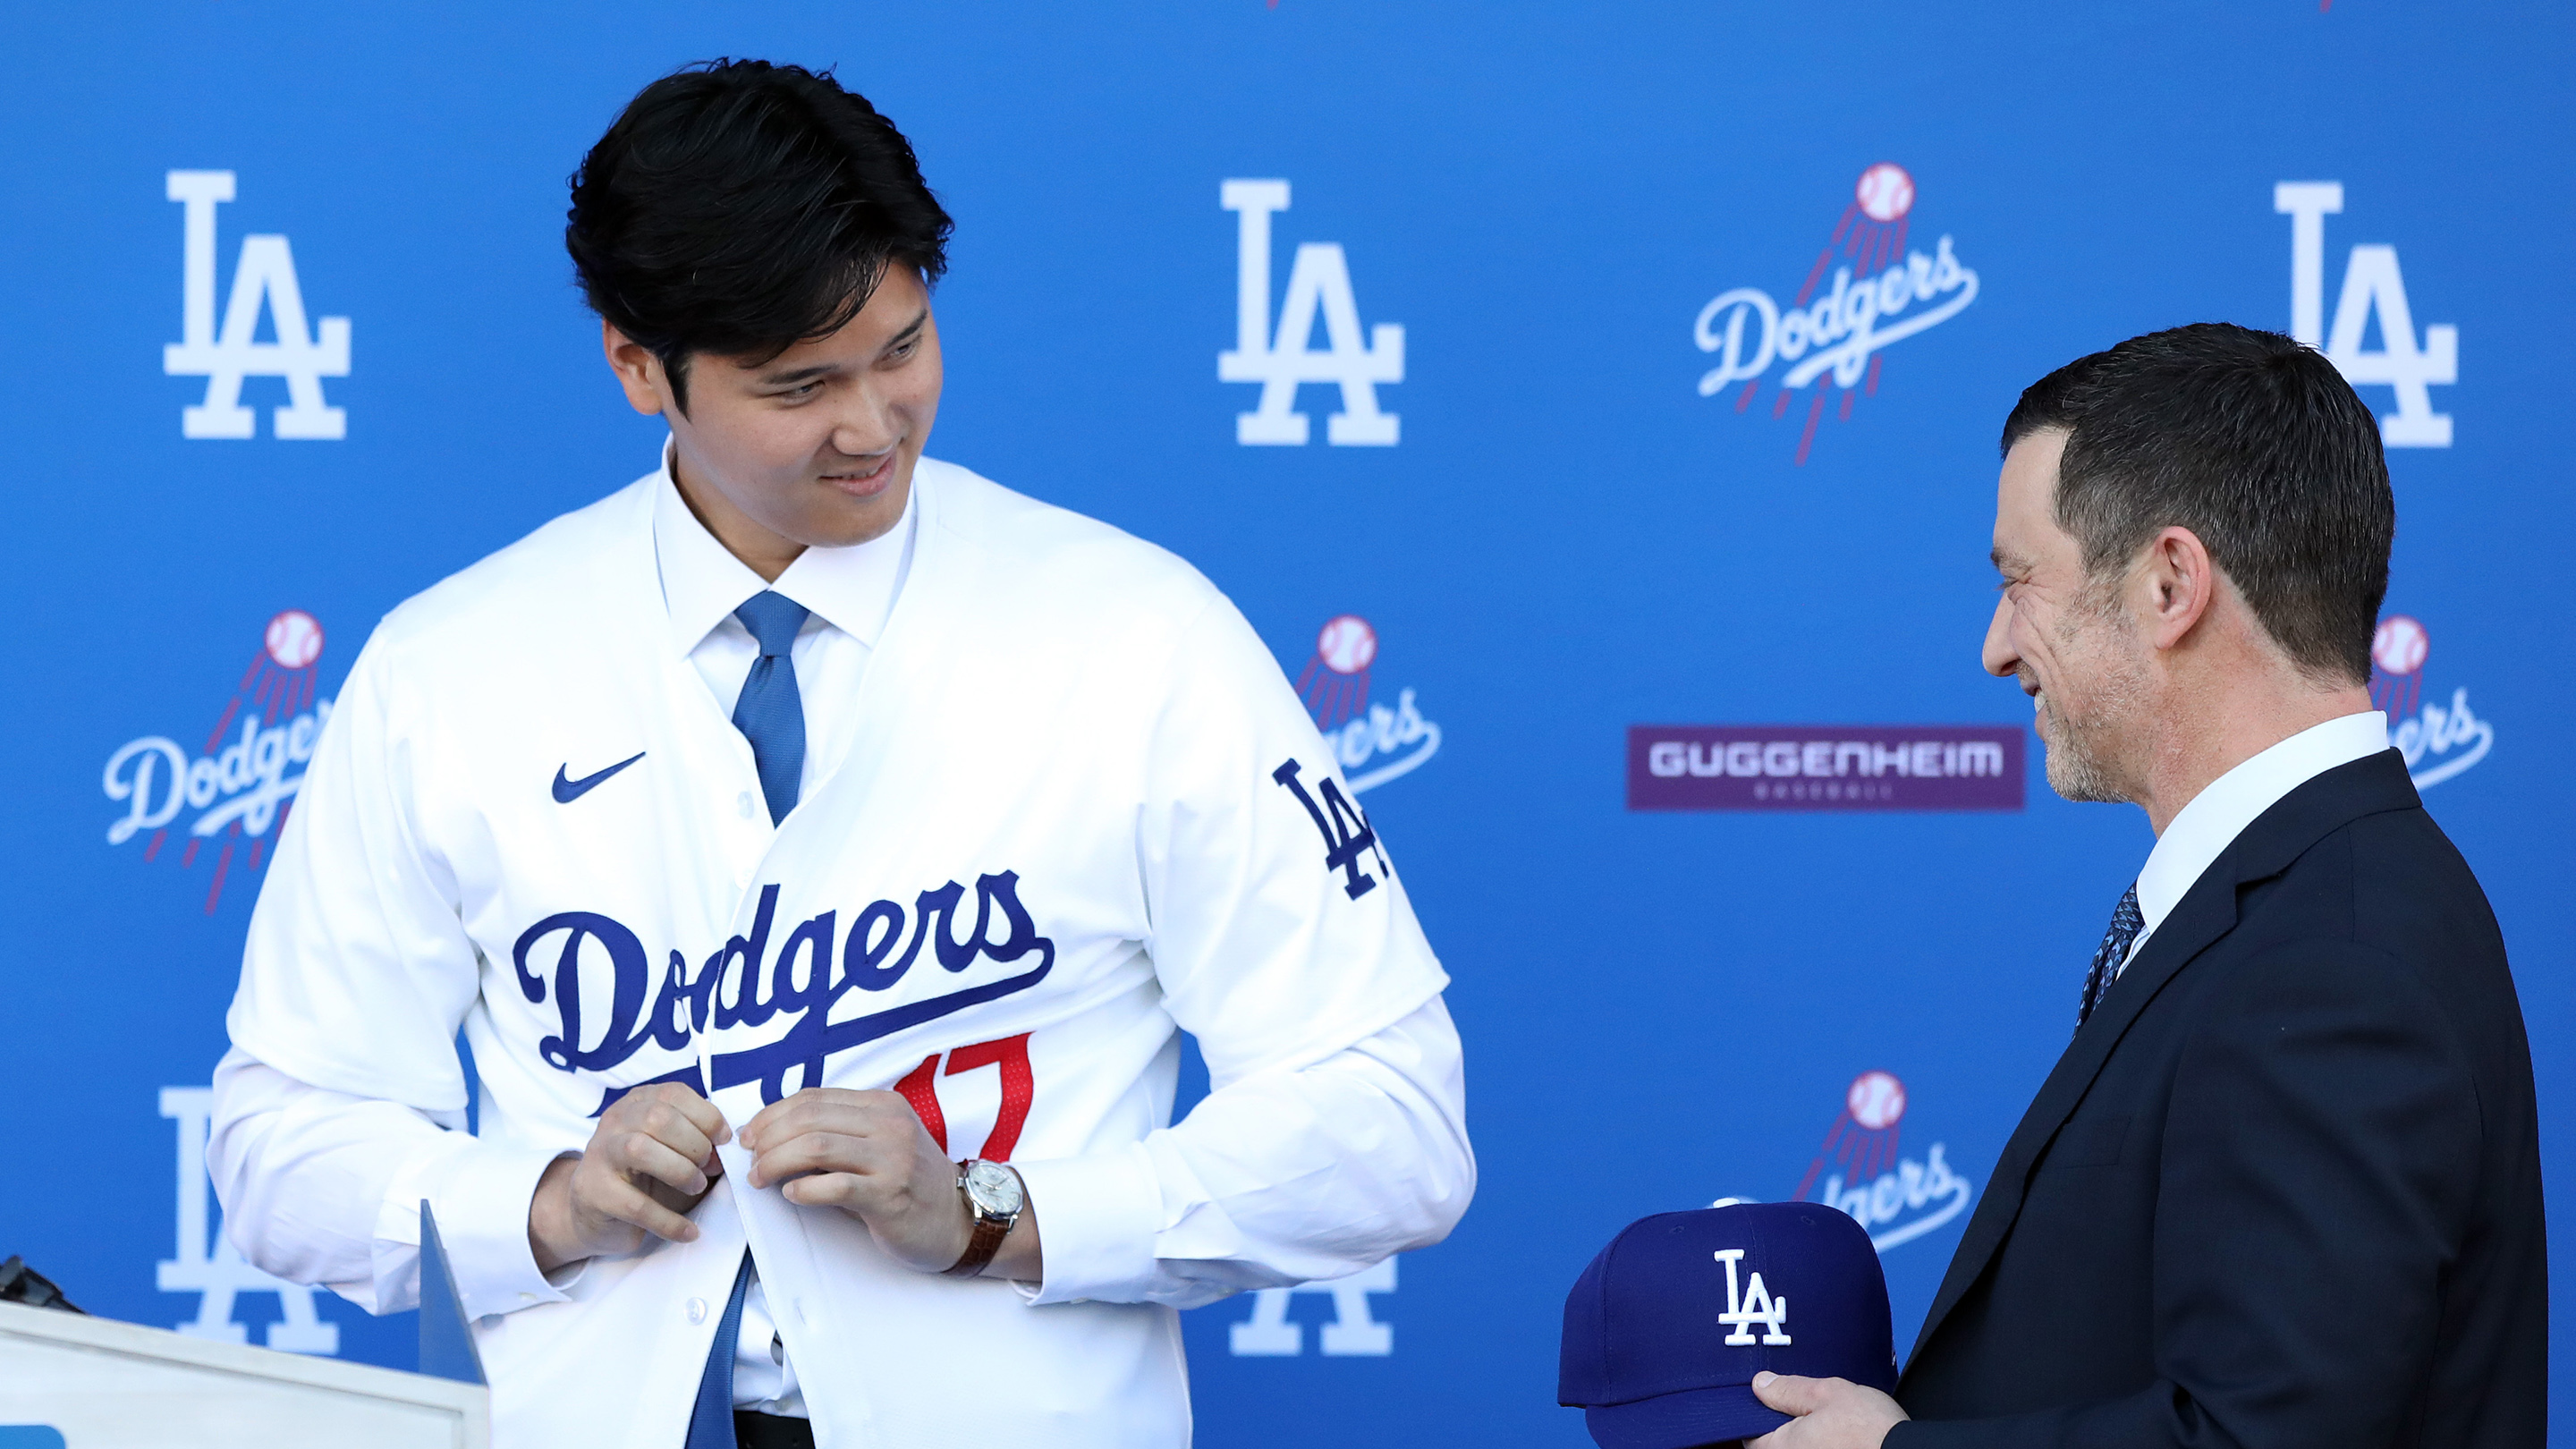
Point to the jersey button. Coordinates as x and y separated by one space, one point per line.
742 804
697 1310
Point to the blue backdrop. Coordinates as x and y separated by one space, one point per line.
1551 529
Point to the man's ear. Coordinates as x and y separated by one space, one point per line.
638 370
2179 583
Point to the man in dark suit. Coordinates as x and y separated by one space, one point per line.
2284 1186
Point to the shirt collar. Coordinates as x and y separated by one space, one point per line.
2204 829
853 589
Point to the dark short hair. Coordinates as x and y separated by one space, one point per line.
739 207
2253 442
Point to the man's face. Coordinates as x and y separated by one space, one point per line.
815 445
2069 641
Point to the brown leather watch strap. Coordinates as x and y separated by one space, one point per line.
980 1249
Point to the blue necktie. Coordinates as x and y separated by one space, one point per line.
2113 953
770 713
711 1422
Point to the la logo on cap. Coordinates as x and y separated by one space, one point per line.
1756 1306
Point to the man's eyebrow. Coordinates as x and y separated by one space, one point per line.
2008 562
794 376
910 331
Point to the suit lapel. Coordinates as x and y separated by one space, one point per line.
2206 913
2203 915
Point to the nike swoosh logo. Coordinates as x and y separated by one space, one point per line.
567 791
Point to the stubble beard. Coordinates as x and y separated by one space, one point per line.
2084 735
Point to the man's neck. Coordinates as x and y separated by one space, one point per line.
2211 730
762 550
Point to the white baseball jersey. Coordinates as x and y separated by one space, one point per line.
1078 810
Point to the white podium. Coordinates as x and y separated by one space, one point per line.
107 1385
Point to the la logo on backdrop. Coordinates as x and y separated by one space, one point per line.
2439 739
2373 289
263 280
1830 339
235 790
1319 285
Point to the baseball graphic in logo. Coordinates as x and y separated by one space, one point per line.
1347 644
1876 1100
2399 645
294 639
1885 192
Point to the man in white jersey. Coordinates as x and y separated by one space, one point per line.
821 849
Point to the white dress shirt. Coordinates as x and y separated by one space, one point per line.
323 1185
2202 830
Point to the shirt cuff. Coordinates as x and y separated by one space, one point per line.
480 1196
1097 1217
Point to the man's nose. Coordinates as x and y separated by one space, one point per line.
2000 657
866 425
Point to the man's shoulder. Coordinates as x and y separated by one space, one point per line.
1047 550
526 588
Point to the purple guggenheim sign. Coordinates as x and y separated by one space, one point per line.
1824 767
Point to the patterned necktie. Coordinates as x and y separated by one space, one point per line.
711 1420
770 713
2126 923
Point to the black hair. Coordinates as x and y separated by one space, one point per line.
739 207
2253 442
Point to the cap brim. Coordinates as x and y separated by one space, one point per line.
1682 1421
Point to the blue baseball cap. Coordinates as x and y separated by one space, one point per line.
1667 1327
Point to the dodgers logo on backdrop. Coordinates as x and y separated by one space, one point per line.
1825 767
2372 288
1863 1172
1830 338
1319 283
263 280
2438 739
1373 741
236 790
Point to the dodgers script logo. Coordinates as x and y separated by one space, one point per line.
1831 337
1373 742
1319 282
2372 286
816 969
236 790
1897 1198
264 279
2438 740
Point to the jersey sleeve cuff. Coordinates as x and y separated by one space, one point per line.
1097 1217
480 1197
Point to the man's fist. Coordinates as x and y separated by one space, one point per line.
650 1160
867 1154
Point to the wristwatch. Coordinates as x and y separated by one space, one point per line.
994 1199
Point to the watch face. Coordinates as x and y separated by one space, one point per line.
995 1188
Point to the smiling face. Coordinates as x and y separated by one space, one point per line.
2069 640
812 448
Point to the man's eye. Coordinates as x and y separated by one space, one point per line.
802 391
901 353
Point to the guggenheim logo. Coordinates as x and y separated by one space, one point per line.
1825 767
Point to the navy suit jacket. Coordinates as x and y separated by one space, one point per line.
2284 1188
